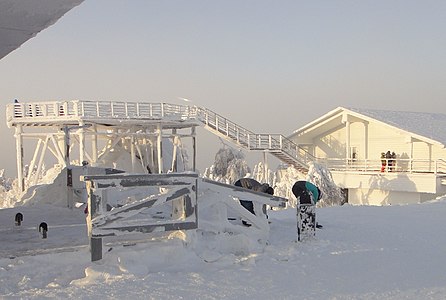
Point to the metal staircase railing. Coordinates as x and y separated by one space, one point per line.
277 144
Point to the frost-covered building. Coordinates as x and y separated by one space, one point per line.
380 157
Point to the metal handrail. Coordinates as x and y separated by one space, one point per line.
251 140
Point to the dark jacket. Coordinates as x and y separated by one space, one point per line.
252 184
302 190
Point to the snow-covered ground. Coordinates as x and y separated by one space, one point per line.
363 252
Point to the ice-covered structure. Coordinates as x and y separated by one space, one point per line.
128 161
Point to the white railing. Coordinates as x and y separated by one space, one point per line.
276 144
97 109
399 165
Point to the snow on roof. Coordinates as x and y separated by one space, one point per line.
429 125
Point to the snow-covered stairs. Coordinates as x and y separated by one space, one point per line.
276 144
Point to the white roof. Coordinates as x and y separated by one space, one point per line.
429 125
21 20
425 126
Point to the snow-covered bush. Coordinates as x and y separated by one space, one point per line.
285 177
228 167
9 190
321 177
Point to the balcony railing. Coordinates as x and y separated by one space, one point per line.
97 109
399 165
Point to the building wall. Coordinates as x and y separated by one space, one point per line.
382 197
381 138
389 188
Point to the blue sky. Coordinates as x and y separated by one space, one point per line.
270 66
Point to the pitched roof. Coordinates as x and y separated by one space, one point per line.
429 125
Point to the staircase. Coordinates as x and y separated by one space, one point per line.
276 144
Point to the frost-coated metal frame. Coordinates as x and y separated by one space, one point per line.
178 190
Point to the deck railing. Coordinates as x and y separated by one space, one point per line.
98 109
398 165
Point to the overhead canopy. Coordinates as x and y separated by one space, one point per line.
21 20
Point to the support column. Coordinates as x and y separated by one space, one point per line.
347 124
160 149
194 149
66 145
33 161
40 163
81 143
19 151
132 152
411 156
366 140
66 130
173 167
94 145
265 167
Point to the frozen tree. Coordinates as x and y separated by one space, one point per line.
285 178
9 191
228 167
259 174
321 177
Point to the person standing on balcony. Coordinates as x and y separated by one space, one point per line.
393 164
383 161
389 161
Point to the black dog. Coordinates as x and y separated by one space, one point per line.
18 219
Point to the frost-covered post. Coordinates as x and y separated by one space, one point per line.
93 207
159 149
194 146
66 144
19 146
94 145
81 142
66 129
265 166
